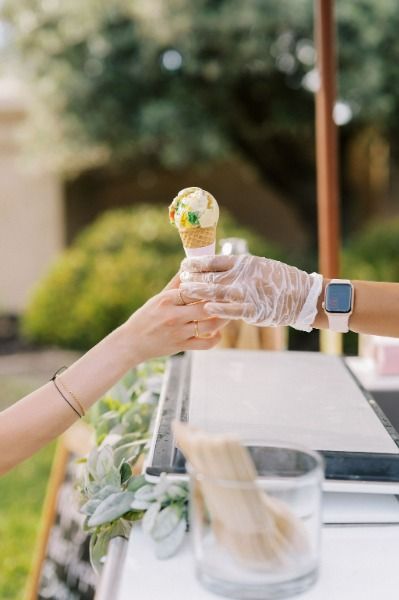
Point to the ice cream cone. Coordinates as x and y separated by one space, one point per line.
198 241
195 213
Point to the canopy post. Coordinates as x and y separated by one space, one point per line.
326 156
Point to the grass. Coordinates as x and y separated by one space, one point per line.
21 498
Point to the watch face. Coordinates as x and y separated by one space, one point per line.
338 298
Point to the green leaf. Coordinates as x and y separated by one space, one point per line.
105 462
146 493
169 545
165 522
100 539
107 423
92 463
134 515
150 517
120 528
140 505
129 452
136 483
111 508
126 472
93 488
161 488
98 549
90 506
137 418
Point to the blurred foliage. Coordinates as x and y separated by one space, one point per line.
373 254
161 74
114 266
172 82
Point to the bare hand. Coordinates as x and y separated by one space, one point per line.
167 324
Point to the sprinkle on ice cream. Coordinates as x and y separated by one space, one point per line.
194 208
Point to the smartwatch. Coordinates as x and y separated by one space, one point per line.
338 304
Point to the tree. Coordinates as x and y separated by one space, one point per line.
170 82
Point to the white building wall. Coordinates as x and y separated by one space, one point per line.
31 210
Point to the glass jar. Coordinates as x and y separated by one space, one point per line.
259 540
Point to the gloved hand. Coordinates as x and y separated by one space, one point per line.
260 291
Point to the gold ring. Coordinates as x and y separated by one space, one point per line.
181 297
196 330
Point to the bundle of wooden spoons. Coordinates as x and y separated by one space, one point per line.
259 530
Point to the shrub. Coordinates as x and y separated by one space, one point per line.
373 254
111 269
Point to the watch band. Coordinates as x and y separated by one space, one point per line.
339 322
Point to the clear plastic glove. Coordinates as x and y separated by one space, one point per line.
260 291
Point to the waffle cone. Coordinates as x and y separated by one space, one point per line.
198 237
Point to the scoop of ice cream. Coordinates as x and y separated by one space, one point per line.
193 208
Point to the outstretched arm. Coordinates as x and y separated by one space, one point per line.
267 292
162 326
375 311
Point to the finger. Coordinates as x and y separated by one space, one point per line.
176 297
206 328
202 343
208 263
173 283
182 313
193 312
211 277
213 292
186 298
225 310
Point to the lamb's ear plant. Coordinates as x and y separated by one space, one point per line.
112 495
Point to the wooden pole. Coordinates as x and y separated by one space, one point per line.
326 142
78 440
56 478
326 156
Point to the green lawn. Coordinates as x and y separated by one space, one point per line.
21 497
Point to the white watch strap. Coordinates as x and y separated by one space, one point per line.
336 321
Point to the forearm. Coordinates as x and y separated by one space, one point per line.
266 292
42 415
163 325
375 310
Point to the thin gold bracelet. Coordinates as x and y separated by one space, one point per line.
53 379
69 391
